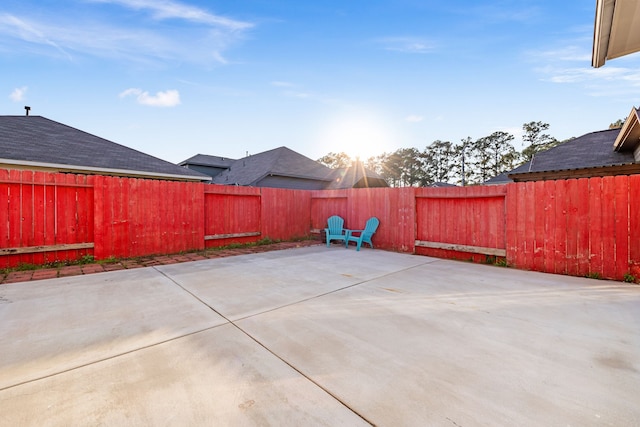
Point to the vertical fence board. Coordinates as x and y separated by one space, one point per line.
595 226
608 228
560 263
622 225
572 227
549 233
584 219
634 226
539 215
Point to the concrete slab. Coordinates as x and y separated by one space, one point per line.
51 326
451 343
219 377
320 336
245 285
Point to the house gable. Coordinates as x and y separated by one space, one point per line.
628 139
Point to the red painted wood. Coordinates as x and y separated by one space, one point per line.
539 227
549 227
595 226
608 228
622 225
560 264
286 214
634 226
584 219
511 234
573 221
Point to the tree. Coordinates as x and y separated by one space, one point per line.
617 124
537 141
461 167
438 162
336 160
504 156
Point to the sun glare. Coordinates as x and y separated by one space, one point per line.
358 134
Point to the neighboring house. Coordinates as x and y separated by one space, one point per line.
602 153
441 185
355 176
208 165
282 168
37 143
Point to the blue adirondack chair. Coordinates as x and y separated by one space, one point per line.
335 230
363 235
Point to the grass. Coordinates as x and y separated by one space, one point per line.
89 259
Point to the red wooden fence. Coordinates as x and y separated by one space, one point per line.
136 217
44 217
579 227
466 223
588 226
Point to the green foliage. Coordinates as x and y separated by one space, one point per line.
617 124
466 163
336 160
537 141
594 275
629 278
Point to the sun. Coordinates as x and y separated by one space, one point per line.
360 134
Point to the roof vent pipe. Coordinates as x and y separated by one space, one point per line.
27 109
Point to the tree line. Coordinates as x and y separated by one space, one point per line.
468 162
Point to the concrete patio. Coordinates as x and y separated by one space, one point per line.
320 336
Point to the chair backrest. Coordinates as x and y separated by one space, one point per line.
335 224
371 226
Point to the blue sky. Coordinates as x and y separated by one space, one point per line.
177 78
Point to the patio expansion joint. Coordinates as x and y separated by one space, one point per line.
104 359
264 346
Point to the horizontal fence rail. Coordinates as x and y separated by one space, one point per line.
582 227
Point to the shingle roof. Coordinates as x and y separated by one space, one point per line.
350 177
40 142
594 149
206 160
280 161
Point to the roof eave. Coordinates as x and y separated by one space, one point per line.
602 31
57 167
629 137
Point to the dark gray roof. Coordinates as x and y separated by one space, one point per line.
594 149
40 142
279 162
206 160
441 185
352 176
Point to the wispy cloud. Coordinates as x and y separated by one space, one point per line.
413 118
168 98
18 94
173 32
160 9
406 44
29 32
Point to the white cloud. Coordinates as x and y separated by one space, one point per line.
165 9
201 37
18 94
570 63
413 118
168 98
26 31
406 44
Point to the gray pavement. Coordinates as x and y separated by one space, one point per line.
320 336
